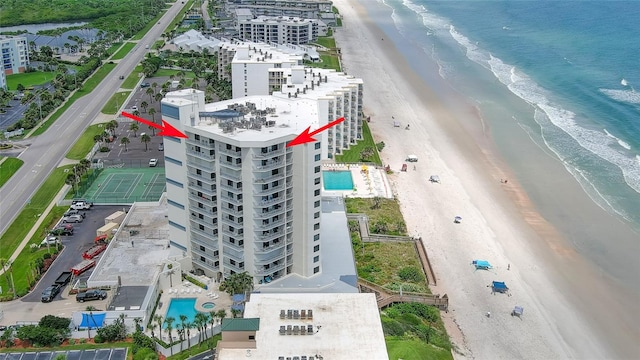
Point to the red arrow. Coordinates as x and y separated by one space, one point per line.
166 128
306 137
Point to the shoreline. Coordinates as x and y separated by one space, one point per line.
470 171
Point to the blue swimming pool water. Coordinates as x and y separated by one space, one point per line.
179 307
337 180
208 305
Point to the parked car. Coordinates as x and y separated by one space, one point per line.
63 229
145 85
50 293
72 219
161 147
153 162
75 212
91 295
50 240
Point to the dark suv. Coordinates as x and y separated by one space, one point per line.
95 294
50 293
66 229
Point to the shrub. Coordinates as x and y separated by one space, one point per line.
46 256
82 341
104 149
98 339
411 273
380 146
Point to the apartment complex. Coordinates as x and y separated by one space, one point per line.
307 9
279 29
15 54
239 199
3 81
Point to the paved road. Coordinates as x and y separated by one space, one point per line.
48 149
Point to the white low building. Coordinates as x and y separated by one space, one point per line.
305 326
280 29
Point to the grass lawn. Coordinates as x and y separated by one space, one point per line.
197 349
327 62
113 48
380 263
124 50
411 349
132 80
169 72
8 168
388 211
158 44
17 231
116 101
28 79
84 144
23 266
353 154
89 85
326 41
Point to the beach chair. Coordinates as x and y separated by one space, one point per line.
215 296
199 290
182 291
209 294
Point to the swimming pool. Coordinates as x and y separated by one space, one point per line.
179 307
337 180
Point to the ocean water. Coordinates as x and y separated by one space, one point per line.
564 72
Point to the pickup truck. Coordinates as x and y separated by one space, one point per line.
50 293
64 278
81 205
91 295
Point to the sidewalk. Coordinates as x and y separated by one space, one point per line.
35 227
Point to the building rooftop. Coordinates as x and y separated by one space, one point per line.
325 82
281 117
136 254
338 273
245 324
344 326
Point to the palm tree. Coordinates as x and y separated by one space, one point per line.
158 320
136 113
124 141
188 327
154 85
235 313
158 96
153 328
98 138
200 322
144 105
85 164
239 283
222 313
109 127
181 329
114 125
134 127
138 321
150 92
146 139
152 112
169 321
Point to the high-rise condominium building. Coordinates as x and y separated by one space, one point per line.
279 30
239 199
15 54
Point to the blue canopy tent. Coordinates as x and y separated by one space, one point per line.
92 321
237 298
482 264
499 286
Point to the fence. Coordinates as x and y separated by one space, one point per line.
121 163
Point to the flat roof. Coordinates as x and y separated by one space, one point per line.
345 326
338 273
291 117
136 254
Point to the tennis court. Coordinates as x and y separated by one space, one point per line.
125 186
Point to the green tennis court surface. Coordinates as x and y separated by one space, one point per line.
126 186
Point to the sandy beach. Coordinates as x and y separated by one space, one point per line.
555 285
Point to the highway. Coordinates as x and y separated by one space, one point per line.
47 150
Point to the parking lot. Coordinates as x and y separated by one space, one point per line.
82 239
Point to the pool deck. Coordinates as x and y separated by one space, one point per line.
188 290
368 181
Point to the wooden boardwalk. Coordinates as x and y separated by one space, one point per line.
386 297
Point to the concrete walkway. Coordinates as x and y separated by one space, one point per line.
35 227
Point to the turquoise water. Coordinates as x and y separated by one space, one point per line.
337 180
179 307
208 305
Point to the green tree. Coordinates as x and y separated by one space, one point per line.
238 283
144 105
150 92
152 112
55 322
124 141
146 139
134 127
169 328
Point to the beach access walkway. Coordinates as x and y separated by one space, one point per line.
386 297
